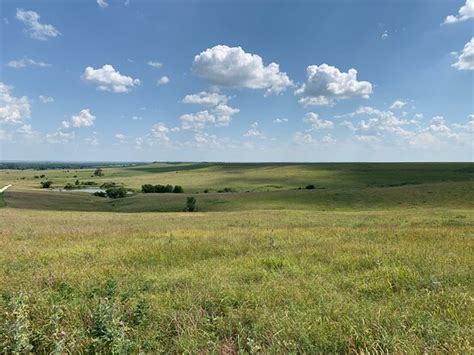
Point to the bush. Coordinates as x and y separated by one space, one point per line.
108 185
310 187
178 189
190 205
46 184
148 188
226 189
100 194
116 192
98 172
69 186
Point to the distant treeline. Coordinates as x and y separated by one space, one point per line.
148 188
61 165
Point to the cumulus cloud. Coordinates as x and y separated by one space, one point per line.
109 79
397 104
465 12
280 120
34 28
197 121
234 68
328 139
163 80
317 123
83 119
221 111
253 131
466 58
325 84
25 61
303 138
46 99
154 64
205 139
137 118
205 98
102 4
92 141
13 110
60 137
159 132
384 35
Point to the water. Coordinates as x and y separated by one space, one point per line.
90 190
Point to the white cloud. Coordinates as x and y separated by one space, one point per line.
465 12
205 139
397 104
46 99
159 132
221 112
326 84
109 79
303 138
280 120
13 110
121 137
66 124
317 123
253 131
83 119
154 64
25 61
34 28
367 139
60 137
163 80
137 118
197 121
92 141
205 98
466 58
384 35
328 139
233 67
102 4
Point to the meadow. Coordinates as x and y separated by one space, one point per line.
376 258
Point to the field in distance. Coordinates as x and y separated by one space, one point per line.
252 186
377 258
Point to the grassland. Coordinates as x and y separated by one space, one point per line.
375 260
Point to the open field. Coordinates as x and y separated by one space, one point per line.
378 258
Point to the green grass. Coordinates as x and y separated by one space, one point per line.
2 201
271 281
377 259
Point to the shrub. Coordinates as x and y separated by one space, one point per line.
178 189
190 204
42 176
100 194
206 191
69 186
98 172
108 185
36 177
116 192
148 188
226 189
46 184
76 182
310 187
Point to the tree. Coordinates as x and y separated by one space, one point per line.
178 189
116 192
98 172
148 188
310 187
190 204
46 184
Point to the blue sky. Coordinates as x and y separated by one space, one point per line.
237 80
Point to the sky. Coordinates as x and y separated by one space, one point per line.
316 81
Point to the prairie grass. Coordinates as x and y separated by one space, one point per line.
273 281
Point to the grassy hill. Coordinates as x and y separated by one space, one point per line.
255 186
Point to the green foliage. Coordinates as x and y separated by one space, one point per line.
190 204
17 328
46 184
69 186
100 194
310 187
148 188
178 189
108 185
116 192
98 172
